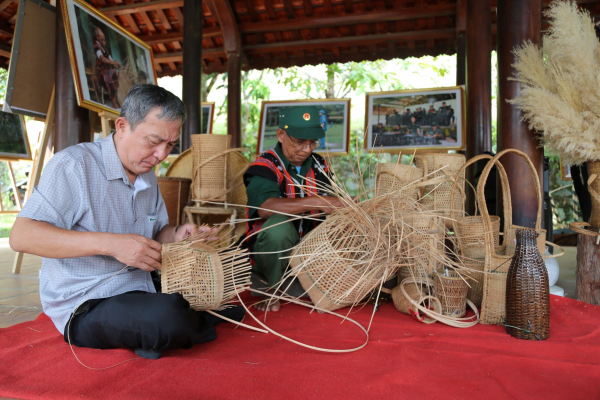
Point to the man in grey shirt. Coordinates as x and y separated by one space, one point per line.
98 220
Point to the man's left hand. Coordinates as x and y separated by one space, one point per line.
185 230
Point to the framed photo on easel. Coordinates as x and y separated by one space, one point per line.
421 119
14 144
106 59
335 120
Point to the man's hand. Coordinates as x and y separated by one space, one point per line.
185 230
137 251
329 204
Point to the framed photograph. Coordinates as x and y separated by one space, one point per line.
335 120
14 144
427 119
565 171
106 59
208 113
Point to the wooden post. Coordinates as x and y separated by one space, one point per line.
13 182
518 21
461 39
105 118
233 47
72 121
588 273
192 70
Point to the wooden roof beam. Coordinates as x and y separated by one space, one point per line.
177 36
141 7
350 19
349 41
232 39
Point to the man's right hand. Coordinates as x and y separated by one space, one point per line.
329 204
137 251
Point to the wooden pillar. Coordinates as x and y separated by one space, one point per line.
461 59
588 273
192 70
232 42
234 98
71 121
518 21
479 77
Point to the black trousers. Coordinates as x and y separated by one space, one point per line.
139 320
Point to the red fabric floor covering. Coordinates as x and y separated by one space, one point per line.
403 358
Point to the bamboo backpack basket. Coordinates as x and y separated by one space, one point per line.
340 261
209 166
399 178
497 260
443 171
175 192
207 278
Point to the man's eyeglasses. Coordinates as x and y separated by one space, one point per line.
301 144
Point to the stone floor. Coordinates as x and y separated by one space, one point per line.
20 300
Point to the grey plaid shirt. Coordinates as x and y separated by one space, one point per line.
85 188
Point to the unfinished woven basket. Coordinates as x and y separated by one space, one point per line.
175 193
443 171
341 261
497 260
423 242
204 275
451 289
209 166
399 178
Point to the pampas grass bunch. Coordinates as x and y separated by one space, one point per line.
560 85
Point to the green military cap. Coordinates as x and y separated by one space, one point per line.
301 122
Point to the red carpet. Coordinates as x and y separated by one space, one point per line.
403 359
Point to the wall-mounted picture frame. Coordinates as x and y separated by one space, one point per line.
14 144
208 114
106 60
335 120
417 119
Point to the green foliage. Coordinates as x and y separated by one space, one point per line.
564 202
6 223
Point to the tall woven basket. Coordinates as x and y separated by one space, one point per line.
399 178
443 172
206 277
451 290
334 262
497 260
527 291
423 243
209 166
175 192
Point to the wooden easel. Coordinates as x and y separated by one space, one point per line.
105 118
38 165
13 183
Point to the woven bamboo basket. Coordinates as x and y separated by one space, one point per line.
527 291
206 277
451 289
175 193
341 261
475 292
181 167
497 261
423 243
469 230
415 292
209 167
443 171
398 178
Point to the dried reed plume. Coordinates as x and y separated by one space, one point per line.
559 85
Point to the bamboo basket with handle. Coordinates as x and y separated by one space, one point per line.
497 261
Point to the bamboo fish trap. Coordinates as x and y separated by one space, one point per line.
208 278
341 261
